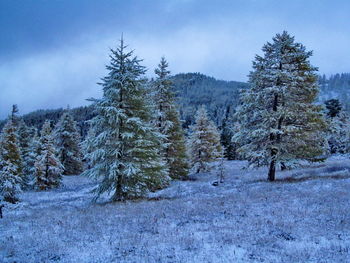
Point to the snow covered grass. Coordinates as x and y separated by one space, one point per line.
302 217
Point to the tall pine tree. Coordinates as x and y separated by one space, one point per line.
67 141
11 177
168 123
48 168
205 146
26 135
125 150
279 122
227 131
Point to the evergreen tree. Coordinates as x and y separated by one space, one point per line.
87 147
68 144
204 142
168 123
125 150
10 164
338 135
48 168
14 115
34 151
26 135
227 131
279 122
333 107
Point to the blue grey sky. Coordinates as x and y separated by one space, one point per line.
52 52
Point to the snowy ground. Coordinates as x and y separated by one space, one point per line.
303 217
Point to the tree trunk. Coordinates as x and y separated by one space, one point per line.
272 171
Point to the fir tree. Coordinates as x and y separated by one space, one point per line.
14 115
338 135
48 168
279 122
333 107
68 144
168 123
87 147
227 131
26 135
10 164
125 150
204 142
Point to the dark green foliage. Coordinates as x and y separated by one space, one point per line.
333 107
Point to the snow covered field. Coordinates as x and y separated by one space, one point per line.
302 217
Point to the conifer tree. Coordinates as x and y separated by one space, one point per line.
26 135
10 164
205 146
34 151
14 115
48 168
87 147
227 131
338 134
279 122
333 107
125 150
67 141
168 123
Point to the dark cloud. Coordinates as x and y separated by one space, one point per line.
52 53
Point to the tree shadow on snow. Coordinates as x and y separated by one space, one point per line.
328 173
292 179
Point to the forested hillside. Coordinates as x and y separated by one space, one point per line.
195 89
336 87
192 90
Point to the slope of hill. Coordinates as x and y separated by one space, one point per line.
245 219
336 87
195 89
192 90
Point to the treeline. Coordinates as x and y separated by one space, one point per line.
336 87
136 141
33 160
191 91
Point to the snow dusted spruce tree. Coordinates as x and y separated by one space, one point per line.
168 123
124 152
338 135
279 122
26 135
227 131
48 168
205 146
11 177
67 140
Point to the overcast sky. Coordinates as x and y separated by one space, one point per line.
53 52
